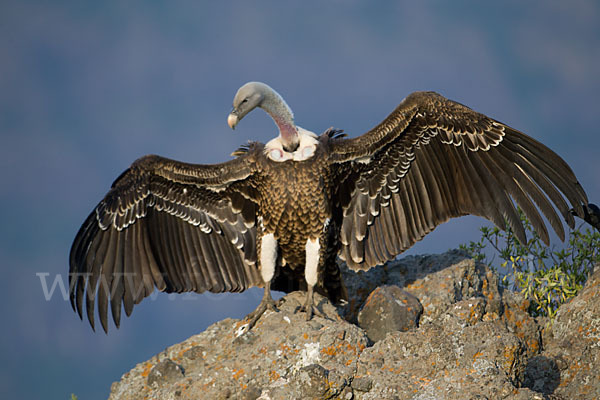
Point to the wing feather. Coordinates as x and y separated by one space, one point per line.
433 159
171 226
117 289
197 264
95 257
105 276
131 269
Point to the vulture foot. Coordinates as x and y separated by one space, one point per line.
267 303
309 306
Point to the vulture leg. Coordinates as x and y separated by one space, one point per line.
268 258
311 272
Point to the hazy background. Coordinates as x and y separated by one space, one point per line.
86 88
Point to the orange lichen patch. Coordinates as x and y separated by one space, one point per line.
510 356
349 362
209 384
147 368
533 345
474 314
237 373
284 347
329 350
376 294
519 323
273 376
414 286
567 378
183 387
179 355
426 309
305 336
593 330
239 324
486 287
424 381
476 355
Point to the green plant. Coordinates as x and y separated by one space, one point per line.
547 277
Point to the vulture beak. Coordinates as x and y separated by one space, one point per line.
232 119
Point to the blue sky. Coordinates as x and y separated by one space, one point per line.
87 87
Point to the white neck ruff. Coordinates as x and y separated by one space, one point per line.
306 147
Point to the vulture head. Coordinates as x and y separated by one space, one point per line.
258 94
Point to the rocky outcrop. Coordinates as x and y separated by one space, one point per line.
569 365
451 334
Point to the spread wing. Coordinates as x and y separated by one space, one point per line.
433 159
168 225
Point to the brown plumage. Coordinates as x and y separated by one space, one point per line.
300 200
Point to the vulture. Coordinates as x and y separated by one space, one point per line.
278 214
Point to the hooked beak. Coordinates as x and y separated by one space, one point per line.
232 119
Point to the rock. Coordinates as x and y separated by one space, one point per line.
311 382
195 353
362 383
570 363
282 350
164 372
472 342
388 309
542 374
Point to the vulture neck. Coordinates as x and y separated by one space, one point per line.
281 113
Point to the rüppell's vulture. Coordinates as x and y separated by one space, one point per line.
278 214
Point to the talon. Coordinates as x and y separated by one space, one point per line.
267 303
309 313
254 316
311 310
309 306
308 309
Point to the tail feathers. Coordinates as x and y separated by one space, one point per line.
333 284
